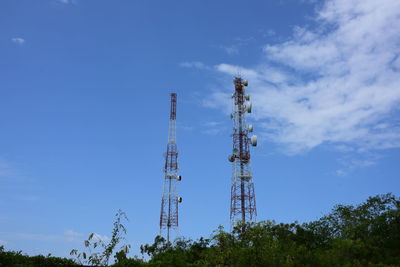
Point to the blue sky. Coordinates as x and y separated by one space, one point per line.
84 100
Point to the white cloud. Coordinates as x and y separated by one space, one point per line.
7 170
212 123
185 127
336 83
18 40
99 237
218 99
213 127
231 50
269 33
214 131
68 2
25 236
72 236
194 64
351 162
237 70
68 236
340 172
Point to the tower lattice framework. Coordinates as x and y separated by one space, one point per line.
243 200
170 198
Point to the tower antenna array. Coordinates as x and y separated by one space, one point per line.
243 200
170 198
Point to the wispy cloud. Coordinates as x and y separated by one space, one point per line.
186 127
351 162
16 182
213 131
29 236
99 237
336 83
18 40
268 33
237 70
194 64
72 236
68 236
212 123
237 44
7 170
231 49
213 127
65 1
219 99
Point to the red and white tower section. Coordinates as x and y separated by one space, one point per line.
243 200
170 199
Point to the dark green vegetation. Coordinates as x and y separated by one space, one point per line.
13 258
365 235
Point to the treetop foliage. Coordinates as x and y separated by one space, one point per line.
366 235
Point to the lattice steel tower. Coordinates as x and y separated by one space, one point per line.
170 198
243 201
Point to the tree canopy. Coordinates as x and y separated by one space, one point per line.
366 235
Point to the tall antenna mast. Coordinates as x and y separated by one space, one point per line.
243 200
170 198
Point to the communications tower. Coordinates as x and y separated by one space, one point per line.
243 201
170 198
